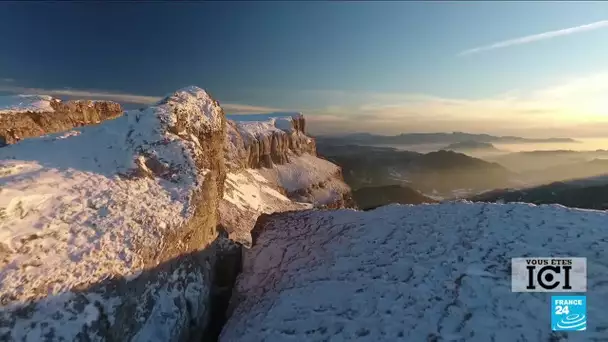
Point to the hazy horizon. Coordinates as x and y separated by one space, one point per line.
577 139
582 145
502 68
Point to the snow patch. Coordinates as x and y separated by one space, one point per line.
194 108
301 172
12 104
247 195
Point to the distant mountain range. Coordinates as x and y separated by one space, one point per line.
432 138
441 173
591 194
541 160
471 146
383 175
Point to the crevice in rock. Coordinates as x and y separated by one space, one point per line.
227 267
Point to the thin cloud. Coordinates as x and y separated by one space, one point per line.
118 97
233 108
536 37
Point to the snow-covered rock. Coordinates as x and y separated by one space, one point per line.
437 272
273 167
103 229
14 104
278 146
308 178
25 116
247 195
268 139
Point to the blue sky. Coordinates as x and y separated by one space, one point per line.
386 67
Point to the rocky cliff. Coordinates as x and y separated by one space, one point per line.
25 116
273 167
106 230
278 146
263 140
110 231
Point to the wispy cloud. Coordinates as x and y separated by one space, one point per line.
233 108
537 37
89 94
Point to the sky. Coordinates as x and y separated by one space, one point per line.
534 69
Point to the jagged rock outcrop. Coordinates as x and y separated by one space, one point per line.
273 167
277 144
26 116
268 139
433 272
112 238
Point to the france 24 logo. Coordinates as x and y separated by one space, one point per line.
568 313
549 274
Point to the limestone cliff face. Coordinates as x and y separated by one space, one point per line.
270 141
277 144
273 167
113 238
57 116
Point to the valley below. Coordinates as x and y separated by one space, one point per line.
482 172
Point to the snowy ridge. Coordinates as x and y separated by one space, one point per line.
265 117
78 207
437 272
246 190
191 108
257 125
12 104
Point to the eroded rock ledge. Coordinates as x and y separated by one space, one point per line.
26 116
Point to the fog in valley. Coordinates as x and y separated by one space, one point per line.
464 169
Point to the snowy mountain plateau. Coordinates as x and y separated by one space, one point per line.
178 222
111 231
